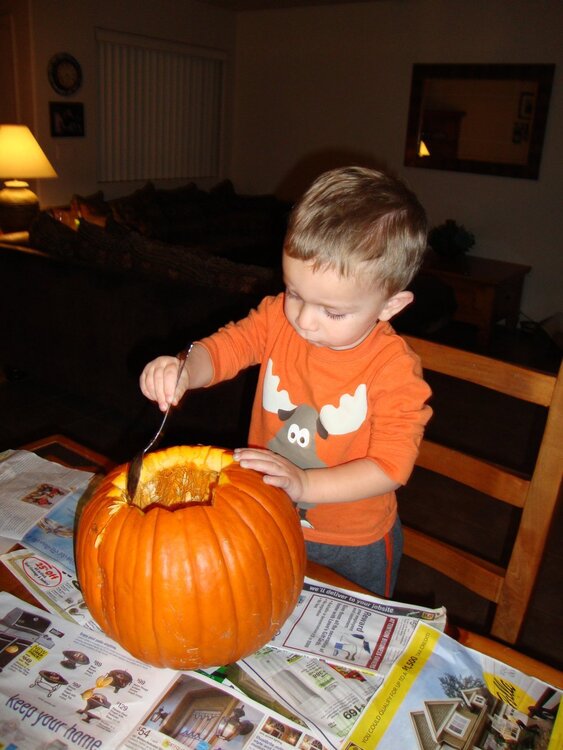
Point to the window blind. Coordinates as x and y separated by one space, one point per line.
160 109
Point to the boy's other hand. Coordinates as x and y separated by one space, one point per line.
277 470
158 381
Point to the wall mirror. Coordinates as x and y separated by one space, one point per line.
488 119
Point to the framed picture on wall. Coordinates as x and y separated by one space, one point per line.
67 119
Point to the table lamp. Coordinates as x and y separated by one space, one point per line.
20 157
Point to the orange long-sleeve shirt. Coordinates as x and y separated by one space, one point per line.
321 407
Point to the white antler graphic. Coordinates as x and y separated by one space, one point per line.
272 399
348 415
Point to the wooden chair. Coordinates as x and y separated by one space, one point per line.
509 587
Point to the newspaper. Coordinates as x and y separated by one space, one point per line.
441 694
53 534
352 629
31 487
329 699
41 498
62 686
52 585
331 654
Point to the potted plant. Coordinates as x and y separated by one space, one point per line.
450 241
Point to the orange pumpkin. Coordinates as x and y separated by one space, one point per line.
202 569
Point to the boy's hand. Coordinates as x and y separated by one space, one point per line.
277 470
158 381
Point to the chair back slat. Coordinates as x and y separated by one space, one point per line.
513 380
510 588
470 571
474 472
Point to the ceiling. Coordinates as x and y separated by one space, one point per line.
274 4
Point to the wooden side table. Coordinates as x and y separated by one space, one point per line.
68 452
486 290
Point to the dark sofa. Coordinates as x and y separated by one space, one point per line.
105 286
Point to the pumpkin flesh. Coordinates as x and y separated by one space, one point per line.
201 570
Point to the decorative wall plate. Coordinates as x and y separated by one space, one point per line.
65 74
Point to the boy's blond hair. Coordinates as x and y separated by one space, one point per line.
354 215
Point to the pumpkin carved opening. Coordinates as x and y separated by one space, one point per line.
176 487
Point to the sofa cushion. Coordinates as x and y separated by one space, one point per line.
174 215
218 218
133 210
105 246
196 266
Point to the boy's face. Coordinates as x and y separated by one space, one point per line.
327 309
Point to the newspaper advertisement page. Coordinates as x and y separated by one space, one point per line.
53 534
65 685
62 686
351 629
31 486
441 694
53 586
199 713
328 698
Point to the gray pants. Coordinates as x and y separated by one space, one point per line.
374 566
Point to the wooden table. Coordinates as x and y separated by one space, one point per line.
70 453
486 290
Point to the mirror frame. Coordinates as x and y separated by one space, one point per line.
542 74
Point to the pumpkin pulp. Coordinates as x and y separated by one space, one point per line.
176 487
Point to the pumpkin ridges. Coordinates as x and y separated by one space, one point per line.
178 593
144 639
227 614
279 563
108 610
279 514
175 596
252 596
96 520
148 636
188 586
124 580
154 612
170 591
240 506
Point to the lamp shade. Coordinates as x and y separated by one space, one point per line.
21 156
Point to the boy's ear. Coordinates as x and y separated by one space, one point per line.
395 304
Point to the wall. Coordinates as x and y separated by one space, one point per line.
323 86
69 26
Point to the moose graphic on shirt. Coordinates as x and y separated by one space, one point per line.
303 424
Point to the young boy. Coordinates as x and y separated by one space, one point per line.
340 406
